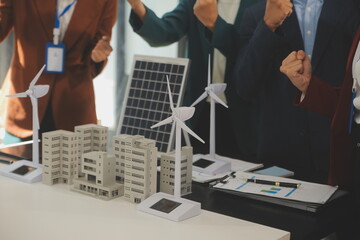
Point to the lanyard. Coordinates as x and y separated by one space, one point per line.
57 20
355 83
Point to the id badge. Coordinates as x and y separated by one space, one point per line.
54 58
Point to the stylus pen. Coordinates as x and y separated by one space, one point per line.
278 184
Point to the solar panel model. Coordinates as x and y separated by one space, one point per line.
146 98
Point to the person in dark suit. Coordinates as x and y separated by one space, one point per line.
207 29
85 30
338 104
289 136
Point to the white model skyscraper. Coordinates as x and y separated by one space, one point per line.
91 137
167 173
140 158
59 157
119 153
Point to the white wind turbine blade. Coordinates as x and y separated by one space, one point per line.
170 95
187 129
40 90
202 96
35 112
217 99
209 69
163 122
20 95
36 78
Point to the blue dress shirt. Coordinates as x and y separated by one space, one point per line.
308 13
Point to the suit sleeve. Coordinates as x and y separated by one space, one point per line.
106 24
224 38
320 97
165 30
6 18
257 51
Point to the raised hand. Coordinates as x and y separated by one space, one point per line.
276 12
297 68
102 50
138 7
206 11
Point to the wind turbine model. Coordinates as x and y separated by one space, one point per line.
209 163
164 205
25 170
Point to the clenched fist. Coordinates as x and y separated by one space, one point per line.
102 50
297 68
207 13
276 12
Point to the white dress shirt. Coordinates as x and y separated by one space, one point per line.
356 84
65 19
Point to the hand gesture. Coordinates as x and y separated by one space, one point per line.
297 68
276 12
207 13
134 3
102 50
138 7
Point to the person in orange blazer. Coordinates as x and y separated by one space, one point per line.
70 101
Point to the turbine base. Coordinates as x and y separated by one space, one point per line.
170 207
209 165
24 171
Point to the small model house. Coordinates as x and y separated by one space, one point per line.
99 176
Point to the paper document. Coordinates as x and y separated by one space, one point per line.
236 165
307 192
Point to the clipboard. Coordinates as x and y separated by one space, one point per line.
309 207
310 197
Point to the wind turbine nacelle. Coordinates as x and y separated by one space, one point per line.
357 103
38 91
184 113
216 88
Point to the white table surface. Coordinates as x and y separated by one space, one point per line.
40 212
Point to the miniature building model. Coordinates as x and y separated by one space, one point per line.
139 156
167 173
91 137
59 157
119 153
99 180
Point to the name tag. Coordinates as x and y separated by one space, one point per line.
55 57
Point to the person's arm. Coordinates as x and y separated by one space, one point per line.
220 34
165 30
314 94
101 44
259 43
320 97
6 18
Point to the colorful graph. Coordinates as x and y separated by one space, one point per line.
271 190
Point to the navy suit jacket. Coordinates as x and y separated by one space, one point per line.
289 136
